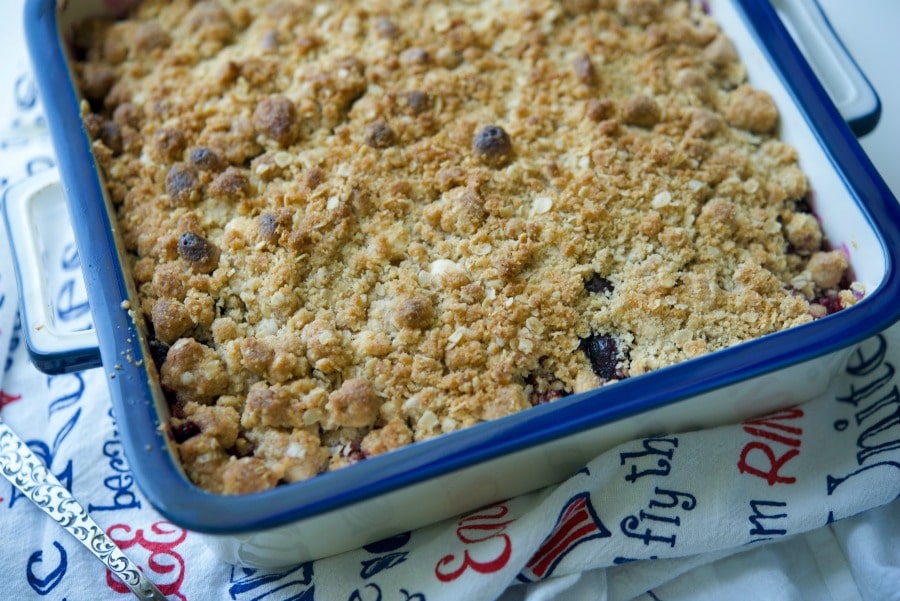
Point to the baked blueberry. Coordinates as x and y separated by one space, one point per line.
493 145
276 117
202 254
544 388
158 350
417 101
182 184
379 135
603 353
598 284
205 159
185 430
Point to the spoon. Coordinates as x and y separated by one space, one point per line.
28 474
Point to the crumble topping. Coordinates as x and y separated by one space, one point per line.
353 226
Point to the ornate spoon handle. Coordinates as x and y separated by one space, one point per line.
28 474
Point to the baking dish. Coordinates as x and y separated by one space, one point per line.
445 476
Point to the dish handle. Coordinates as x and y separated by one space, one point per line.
56 342
845 82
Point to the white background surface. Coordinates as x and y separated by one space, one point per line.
870 30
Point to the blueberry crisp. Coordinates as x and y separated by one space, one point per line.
356 225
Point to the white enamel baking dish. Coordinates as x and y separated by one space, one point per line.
439 478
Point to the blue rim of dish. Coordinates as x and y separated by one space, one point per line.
164 484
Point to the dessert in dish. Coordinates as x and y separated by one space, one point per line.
353 226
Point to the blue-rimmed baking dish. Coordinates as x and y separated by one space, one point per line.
438 478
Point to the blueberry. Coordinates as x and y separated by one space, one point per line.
176 407
197 250
379 135
602 352
192 247
832 304
492 145
158 351
182 183
111 135
205 158
387 28
801 205
353 452
545 388
268 226
417 101
185 430
584 69
598 284
276 117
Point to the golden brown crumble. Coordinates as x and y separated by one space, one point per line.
357 225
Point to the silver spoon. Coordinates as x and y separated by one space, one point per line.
28 474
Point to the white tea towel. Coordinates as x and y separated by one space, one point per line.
795 505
